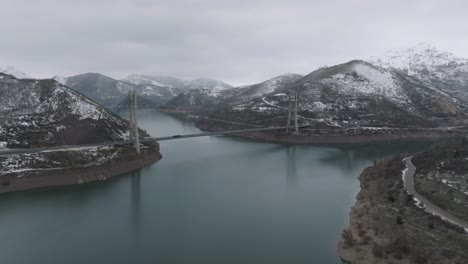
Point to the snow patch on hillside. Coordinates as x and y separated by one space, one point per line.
60 79
417 58
14 72
366 80
139 80
206 83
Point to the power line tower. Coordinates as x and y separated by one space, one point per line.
292 97
133 120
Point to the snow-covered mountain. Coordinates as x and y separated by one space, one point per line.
102 89
60 79
207 83
204 98
438 68
196 99
46 113
111 93
348 95
259 89
180 84
144 80
14 72
168 81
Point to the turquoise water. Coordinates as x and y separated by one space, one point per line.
209 200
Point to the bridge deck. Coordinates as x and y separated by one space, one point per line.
128 142
203 134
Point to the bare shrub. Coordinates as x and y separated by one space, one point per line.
348 238
377 250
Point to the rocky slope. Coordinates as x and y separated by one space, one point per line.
354 94
388 226
45 113
440 69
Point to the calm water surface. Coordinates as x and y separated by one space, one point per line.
209 200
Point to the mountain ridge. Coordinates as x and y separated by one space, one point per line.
441 69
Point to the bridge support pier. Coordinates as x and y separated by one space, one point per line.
133 121
292 96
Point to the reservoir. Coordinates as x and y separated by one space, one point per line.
209 200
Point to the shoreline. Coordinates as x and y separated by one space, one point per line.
339 139
71 176
387 226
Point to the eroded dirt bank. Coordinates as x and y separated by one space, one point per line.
78 175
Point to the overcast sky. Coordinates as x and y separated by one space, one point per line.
239 42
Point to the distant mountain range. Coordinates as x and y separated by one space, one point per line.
353 94
412 86
208 98
417 87
151 90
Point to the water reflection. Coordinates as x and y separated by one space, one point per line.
348 158
209 200
291 163
135 204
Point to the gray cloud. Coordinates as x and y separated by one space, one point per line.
236 41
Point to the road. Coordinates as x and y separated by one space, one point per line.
143 140
408 180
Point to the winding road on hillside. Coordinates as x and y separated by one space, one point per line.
408 180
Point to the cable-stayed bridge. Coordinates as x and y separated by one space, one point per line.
136 140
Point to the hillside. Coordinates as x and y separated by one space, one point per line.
204 99
152 91
159 80
112 93
45 113
388 225
440 69
102 89
353 94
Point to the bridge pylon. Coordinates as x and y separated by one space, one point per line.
292 97
133 120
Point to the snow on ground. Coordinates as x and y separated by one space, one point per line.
211 84
455 185
60 79
89 156
268 86
280 94
14 72
268 103
82 107
367 80
415 58
139 80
